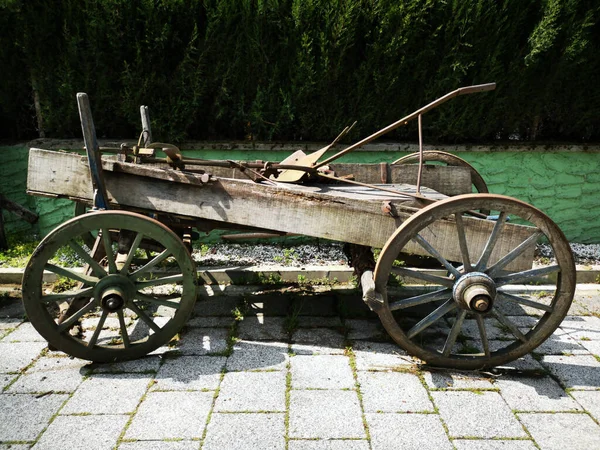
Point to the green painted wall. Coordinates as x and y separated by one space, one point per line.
564 184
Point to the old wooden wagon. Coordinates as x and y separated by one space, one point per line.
471 253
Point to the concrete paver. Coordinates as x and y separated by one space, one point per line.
562 431
238 399
107 394
321 372
190 373
171 415
245 432
77 432
326 414
478 414
262 391
407 431
393 392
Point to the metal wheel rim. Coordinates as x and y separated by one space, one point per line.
549 321
451 160
47 326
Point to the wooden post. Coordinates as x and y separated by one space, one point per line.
93 151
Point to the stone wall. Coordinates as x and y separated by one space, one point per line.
563 181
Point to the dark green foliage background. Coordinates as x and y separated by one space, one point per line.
302 69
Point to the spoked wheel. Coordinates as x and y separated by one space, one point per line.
489 307
436 156
125 302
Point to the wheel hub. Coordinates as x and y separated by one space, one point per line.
113 299
475 291
114 292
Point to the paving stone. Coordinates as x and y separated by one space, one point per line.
12 308
329 444
590 400
245 432
319 305
321 372
535 394
24 333
318 341
456 380
562 431
407 431
365 329
210 322
319 322
560 343
147 364
5 380
393 392
159 445
525 363
171 415
190 373
479 444
493 330
32 413
8 324
483 414
108 394
575 372
325 414
249 355
591 346
14 446
204 341
16 356
252 391
263 328
270 304
51 374
219 306
379 356
77 432
582 327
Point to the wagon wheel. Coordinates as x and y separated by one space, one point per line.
120 308
450 160
467 318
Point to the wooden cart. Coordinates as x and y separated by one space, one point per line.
139 283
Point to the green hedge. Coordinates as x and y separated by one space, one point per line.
301 69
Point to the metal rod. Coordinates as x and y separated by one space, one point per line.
145 114
420 172
405 120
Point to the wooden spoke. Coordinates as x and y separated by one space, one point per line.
155 261
409 273
134 246
451 340
67 324
514 254
443 294
51 298
98 329
94 265
159 281
526 275
491 243
433 252
525 301
110 257
482 332
158 301
124 334
433 317
462 241
144 317
72 275
508 324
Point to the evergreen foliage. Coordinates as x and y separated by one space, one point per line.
302 69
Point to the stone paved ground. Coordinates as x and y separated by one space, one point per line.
306 373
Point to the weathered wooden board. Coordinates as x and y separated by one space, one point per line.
444 179
339 213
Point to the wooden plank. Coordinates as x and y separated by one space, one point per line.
343 214
448 180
